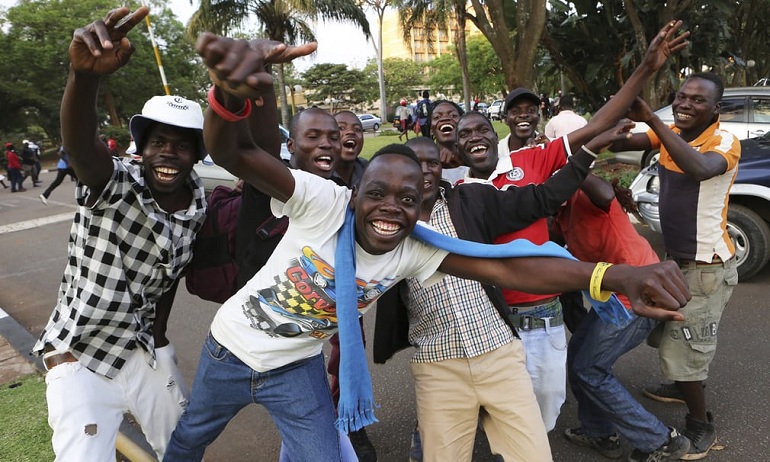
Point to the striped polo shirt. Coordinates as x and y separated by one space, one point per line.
693 214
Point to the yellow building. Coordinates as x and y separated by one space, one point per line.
393 45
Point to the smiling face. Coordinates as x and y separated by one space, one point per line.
443 123
430 161
315 143
477 144
387 202
168 155
351 135
522 118
695 106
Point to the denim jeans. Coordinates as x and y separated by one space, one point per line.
296 396
547 363
604 405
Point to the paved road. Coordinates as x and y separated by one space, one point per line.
32 261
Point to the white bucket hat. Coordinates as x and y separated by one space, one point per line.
170 110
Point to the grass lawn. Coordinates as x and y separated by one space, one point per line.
24 432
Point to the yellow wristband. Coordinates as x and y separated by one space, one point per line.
595 286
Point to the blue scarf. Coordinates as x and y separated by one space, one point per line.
356 405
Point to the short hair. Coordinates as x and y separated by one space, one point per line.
345 111
434 104
294 123
711 77
425 94
420 140
566 102
475 114
398 149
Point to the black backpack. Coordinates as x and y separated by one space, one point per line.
422 109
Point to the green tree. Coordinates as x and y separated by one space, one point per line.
484 70
36 63
441 15
286 21
514 30
379 7
336 84
402 78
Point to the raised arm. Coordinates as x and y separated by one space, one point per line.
97 49
655 291
238 70
665 43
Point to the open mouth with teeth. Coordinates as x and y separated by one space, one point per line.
166 174
323 162
446 128
349 144
681 116
478 150
386 228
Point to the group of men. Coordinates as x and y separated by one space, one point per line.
105 345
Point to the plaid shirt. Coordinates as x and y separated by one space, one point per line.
124 253
453 318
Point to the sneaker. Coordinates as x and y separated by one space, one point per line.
676 447
665 393
43 198
702 437
415 448
608 446
363 447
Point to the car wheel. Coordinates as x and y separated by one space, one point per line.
751 237
650 157
375 127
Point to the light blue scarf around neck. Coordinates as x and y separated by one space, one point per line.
356 404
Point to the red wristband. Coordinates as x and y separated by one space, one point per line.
226 115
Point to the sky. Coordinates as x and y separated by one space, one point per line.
337 42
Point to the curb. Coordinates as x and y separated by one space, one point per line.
22 341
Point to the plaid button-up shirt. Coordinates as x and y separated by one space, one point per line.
124 253
453 318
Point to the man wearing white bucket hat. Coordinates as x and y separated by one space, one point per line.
104 346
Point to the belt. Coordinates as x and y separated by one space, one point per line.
527 322
51 358
685 262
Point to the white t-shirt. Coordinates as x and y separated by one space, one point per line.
297 303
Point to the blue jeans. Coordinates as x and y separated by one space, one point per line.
604 405
296 396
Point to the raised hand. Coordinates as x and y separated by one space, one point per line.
665 43
655 291
239 67
604 140
102 47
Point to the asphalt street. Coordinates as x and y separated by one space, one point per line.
33 239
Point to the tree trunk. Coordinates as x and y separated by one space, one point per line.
380 69
282 90
462 57
109 104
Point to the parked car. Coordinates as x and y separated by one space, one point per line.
745 113
748 214
370 122
494 110
213 175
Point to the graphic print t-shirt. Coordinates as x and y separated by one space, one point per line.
288 308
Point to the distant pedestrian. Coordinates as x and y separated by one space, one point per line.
14 168
566 121
28 163
63 168
423 113
405 119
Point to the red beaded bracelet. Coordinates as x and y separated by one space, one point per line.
225 114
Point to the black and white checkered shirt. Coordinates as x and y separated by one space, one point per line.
453 318
124 253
